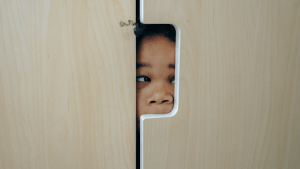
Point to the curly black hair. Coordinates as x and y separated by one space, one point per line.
145 30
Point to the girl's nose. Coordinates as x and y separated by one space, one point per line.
160 97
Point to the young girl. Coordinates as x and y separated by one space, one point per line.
155 69
155 72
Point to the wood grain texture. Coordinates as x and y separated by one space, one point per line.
67 84
239 98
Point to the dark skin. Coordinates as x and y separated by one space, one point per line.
155 76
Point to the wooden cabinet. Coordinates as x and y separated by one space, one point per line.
67 84
239 90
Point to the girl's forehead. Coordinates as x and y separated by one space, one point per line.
156 49
156 39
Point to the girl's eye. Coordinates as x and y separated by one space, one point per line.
173 80
143 79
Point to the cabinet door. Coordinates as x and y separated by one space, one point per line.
67 84
239 89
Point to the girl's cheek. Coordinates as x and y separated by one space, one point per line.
141 85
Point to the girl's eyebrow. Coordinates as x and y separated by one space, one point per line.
138 65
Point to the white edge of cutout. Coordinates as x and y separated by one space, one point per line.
176 92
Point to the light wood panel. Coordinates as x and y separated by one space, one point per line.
239 97
67 84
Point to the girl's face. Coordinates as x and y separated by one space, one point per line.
155 76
